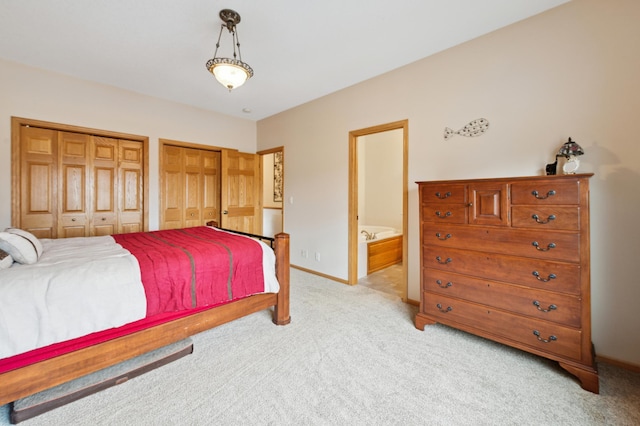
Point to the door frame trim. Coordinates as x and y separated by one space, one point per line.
353 197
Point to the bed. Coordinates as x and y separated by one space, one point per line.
162 320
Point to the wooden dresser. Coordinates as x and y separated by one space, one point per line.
508 259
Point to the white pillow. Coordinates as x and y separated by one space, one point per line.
5 260
29 236
23 246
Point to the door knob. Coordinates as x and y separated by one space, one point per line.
225 212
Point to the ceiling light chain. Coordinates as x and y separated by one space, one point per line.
231 73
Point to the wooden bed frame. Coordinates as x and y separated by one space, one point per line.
25 381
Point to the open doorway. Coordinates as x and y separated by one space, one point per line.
376 153
272 166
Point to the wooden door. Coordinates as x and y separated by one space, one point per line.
104 156
192 162
172 187
240 195
38 181
73 182
211 186
73 214
130 189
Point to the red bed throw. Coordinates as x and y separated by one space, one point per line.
194 267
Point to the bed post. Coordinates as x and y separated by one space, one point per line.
281 314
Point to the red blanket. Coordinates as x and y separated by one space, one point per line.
194 267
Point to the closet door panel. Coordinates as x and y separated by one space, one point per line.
130 187
211 186
172 191
104 219
73 215
192 187
38 181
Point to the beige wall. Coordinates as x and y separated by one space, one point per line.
40 95
569 72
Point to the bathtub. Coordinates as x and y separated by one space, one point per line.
382 251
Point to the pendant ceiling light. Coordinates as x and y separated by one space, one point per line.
230 72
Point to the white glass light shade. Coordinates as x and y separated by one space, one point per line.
231 73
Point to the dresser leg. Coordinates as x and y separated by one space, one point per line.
422 320
588 376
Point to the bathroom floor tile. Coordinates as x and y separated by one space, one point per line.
388 280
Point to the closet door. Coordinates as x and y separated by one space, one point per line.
73 176
38 181
192 187
211 186
130 187
172 187
104 156
190 180
75 182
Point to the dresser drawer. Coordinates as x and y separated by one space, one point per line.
547 275
564 246
444 213
539 334
440 193
557 307
546 218
546 192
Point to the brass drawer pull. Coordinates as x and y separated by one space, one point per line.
446 237
549 309
446 195
443 216
550 339
439 306
549 194
549 219
549 246
439 259
544 280
439 282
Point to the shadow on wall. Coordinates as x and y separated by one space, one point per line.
614 203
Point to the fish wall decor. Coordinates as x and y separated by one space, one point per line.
474 128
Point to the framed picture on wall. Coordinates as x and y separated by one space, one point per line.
277 177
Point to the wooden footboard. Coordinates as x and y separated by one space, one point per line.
21 382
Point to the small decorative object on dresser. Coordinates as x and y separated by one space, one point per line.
508 259
552 168
570 152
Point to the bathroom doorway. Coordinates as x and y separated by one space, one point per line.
378 207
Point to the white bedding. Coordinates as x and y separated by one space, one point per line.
78 286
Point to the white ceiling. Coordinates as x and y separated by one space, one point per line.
299 49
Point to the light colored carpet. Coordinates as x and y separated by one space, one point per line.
351 356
